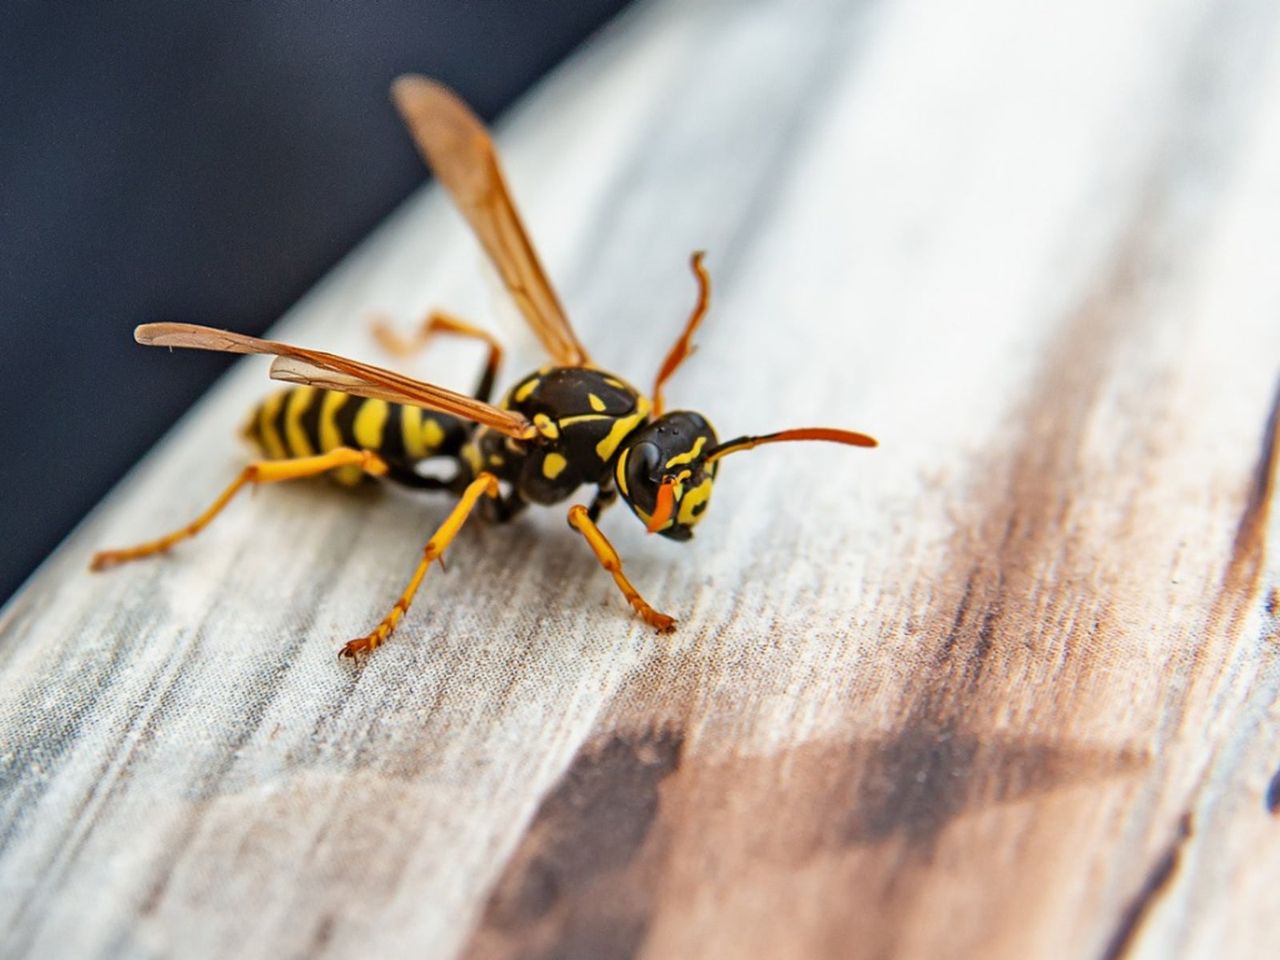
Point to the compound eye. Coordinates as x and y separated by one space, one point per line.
643 465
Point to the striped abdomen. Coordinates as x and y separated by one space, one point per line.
304 421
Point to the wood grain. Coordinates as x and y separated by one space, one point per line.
1004 687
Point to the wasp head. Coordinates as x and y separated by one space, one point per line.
666 469
663 474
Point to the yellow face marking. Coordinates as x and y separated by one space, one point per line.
526 388
271 443
606 448
432 433
300 398
411 433
596 403
699 494
546 426
689 456
553 465
495 460
370 419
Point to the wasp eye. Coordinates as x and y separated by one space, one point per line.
644 461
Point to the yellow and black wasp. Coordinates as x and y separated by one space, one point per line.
558 429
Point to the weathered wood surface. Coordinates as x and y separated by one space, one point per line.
1005 687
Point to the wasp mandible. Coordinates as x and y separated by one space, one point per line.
565 426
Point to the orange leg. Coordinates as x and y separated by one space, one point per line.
263 471
484 485
608 557
438 321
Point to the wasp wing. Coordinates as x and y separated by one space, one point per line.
333 372
460 152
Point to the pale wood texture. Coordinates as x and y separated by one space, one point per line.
1005 687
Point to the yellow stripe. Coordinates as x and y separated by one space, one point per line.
370 419
271 444
330 437
411 431
621 427
620 472
432 434
690 456
299 400
582 418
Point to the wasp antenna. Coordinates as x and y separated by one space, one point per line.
683 347
829 434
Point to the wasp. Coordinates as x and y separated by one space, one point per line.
568 425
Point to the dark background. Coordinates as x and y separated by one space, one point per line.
205 163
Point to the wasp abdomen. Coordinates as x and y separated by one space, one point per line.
305 421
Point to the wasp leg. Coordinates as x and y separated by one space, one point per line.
484 485
438 321
580 520
263 471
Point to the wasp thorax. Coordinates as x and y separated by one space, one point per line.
670 452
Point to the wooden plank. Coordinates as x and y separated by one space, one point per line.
1005 687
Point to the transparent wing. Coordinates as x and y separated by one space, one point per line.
330 371
460 152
